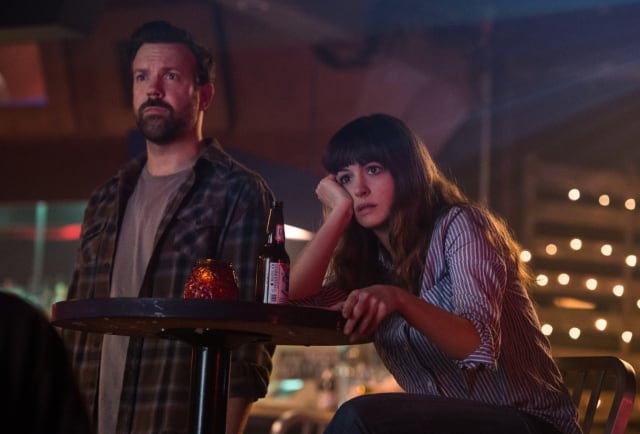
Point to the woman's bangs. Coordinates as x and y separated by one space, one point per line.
342 154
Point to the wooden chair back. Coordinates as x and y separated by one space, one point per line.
603 388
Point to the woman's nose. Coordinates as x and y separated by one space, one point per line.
360 187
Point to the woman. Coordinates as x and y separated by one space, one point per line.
437 281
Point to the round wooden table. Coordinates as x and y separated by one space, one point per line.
213 328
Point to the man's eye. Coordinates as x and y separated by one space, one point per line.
139 77
172 75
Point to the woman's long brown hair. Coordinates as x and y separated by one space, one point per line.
422 194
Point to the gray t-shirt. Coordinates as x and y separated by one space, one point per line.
141 220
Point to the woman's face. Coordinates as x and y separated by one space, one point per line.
372 189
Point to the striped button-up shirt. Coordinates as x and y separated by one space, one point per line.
219 212
512 366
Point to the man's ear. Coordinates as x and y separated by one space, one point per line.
206 95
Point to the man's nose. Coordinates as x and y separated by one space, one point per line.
154 89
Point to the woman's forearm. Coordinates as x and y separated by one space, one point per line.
454 334
309 268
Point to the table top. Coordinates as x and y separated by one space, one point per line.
202 320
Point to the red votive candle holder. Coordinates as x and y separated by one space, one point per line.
212 279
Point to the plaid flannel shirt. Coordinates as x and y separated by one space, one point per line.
219 212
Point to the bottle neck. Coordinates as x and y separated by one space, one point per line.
276 234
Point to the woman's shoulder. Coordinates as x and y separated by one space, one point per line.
466 212
461 219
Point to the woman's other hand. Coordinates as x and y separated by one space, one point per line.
365 309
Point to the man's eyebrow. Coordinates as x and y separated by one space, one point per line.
163 69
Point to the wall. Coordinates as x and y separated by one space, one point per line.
275 98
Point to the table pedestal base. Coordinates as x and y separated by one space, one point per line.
210 365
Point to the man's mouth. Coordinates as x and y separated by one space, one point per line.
154 110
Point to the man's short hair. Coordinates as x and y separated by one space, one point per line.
164 32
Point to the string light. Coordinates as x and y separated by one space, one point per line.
551 249
631 260
606 249
601 324
604 200
574 194
626 336
574 333
630 204
618 290
542 280
525 256
546 329
591 284
563 279
575 244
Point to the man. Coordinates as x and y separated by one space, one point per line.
144 229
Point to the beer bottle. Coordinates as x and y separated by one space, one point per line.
272 278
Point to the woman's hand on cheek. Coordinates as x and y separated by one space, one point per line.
332 194
365 309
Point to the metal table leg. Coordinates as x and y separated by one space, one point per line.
210 365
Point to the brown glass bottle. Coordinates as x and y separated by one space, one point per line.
272 271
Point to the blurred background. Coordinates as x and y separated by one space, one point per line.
532 106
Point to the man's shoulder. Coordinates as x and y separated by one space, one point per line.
222 164
103 192
108 189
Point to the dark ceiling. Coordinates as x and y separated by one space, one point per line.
549 48
558 69
564 75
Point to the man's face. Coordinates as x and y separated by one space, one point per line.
166 99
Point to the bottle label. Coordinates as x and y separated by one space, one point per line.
279 233
276 283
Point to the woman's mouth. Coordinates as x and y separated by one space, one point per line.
364 208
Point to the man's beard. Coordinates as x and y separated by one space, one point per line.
156 128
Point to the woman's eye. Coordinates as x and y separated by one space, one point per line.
372 170
343 179
172 75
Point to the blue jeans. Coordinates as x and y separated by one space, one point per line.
403 413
